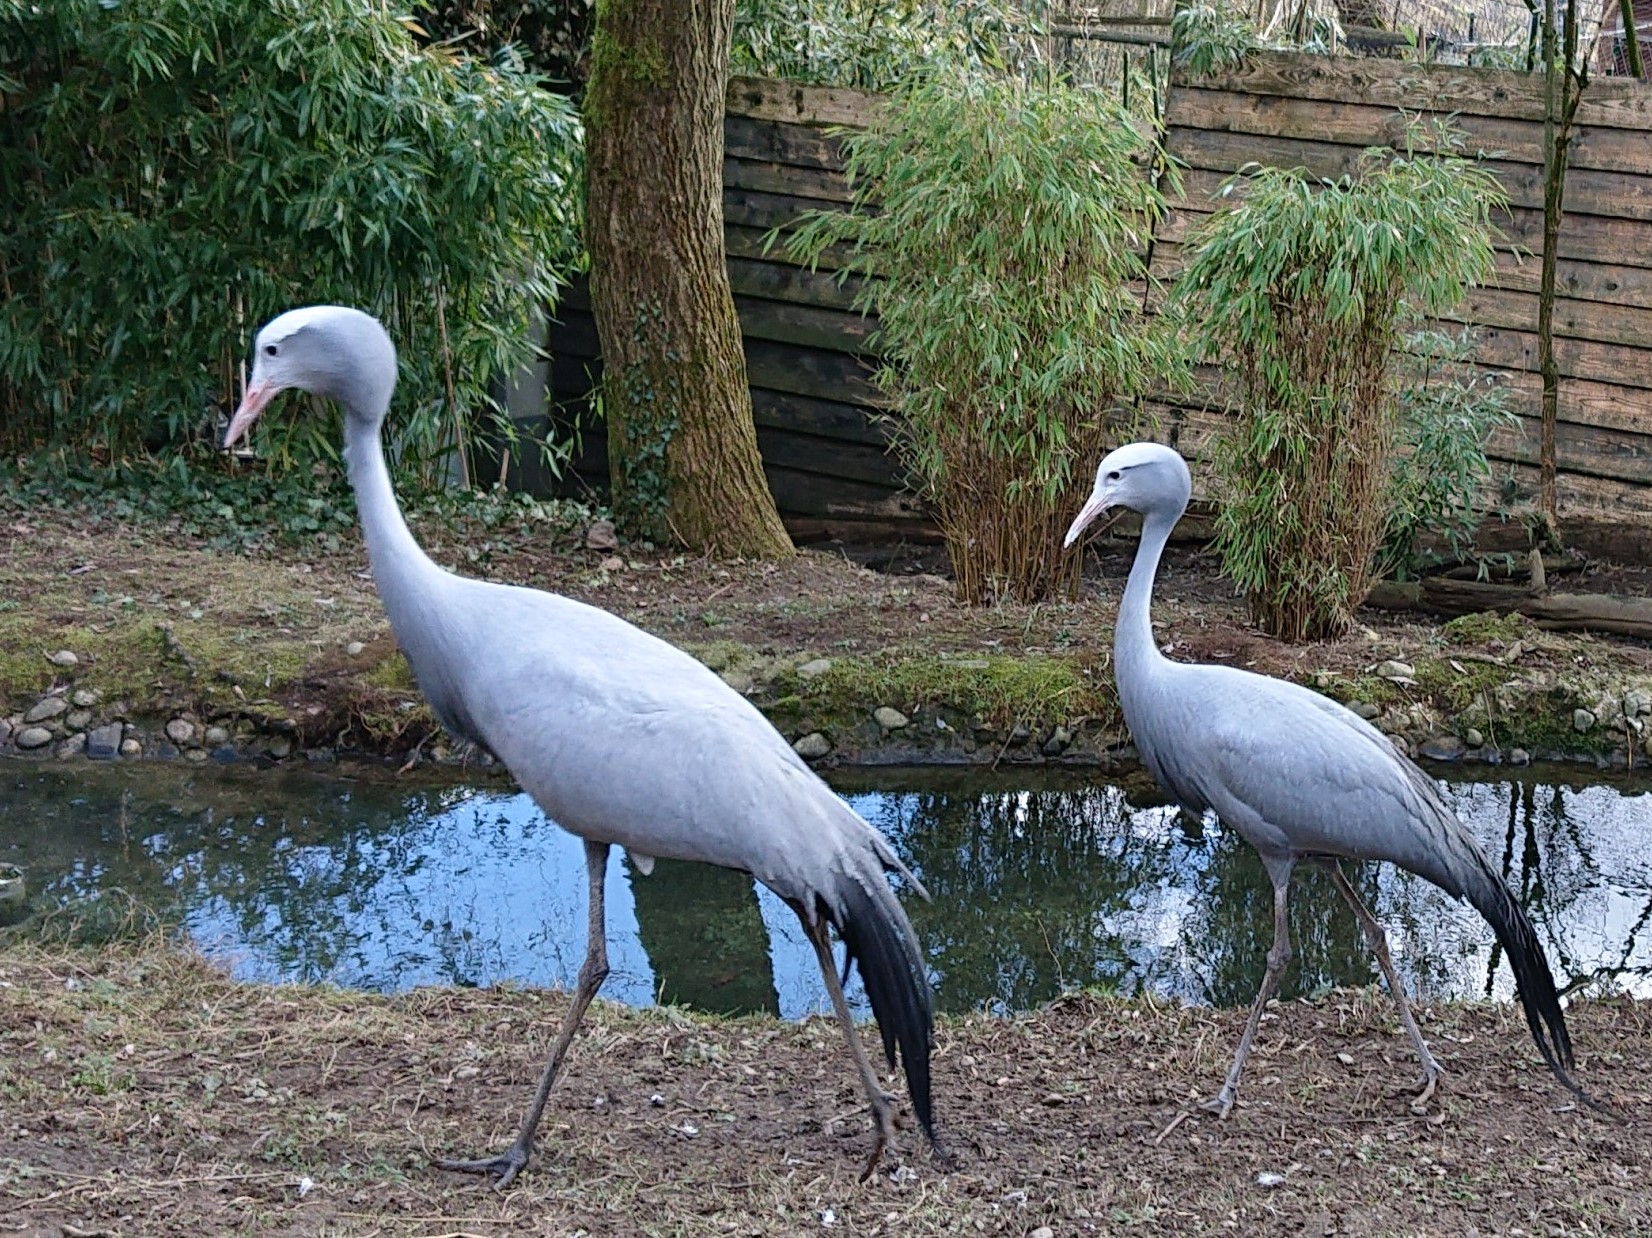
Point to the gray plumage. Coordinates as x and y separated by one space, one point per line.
620 737
1296 774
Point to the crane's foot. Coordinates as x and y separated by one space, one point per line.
1221 1104
512 1161
1426 1087
883 1120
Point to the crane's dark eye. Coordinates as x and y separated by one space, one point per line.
270 350
1114 475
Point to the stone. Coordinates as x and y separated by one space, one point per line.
195 754
1636 702
280 747
45 710
103 743
32 737
224 754
817 666
1365 709
6 729
613 563
166 751
812 746
319 756
1519 756
890 719
740 681
131 748
601 536
1402 745
1400 672
63 657
1583 720
1441 748
77 719
85 698
1043 1231
180 731
1058 741
1018 735
73 746
216 735
1473 738
354 648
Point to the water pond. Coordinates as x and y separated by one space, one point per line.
1040 882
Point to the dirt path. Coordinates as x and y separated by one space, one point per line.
141 1092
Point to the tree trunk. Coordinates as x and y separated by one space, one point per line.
682 448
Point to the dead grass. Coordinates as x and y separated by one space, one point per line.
143 1092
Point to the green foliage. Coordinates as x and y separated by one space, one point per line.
1305 288
175 172
552 37
872 44
1211 36
999 225
1448 407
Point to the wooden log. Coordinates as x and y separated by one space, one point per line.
785 179
762 98
1575 612
773 142
1616 102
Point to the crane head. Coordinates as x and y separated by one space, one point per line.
1144 477
328 350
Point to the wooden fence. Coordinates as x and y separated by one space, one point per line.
823 447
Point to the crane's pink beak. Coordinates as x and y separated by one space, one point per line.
1098 503
255 401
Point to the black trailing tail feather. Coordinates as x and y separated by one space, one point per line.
1534 982
878 938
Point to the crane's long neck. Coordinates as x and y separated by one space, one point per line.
1134 649
400 566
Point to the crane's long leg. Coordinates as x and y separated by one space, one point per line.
1279 957
868 1077
592 973
1376 941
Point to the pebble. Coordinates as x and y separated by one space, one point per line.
1043 1231
601 536
180 730
1057 743
1473 738
77 719
103 743
1441 748
45 709
1401 672
613 563
1582 720
216 735
354 648
1636 702
1019 735
225 754
63 657
1365 709
280 747
890 719
817 666
812 746
1519 756
5 730
195 754
131 748
31 737
73 746
85 698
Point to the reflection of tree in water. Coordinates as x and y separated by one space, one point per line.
1230 929
705 936
1034 891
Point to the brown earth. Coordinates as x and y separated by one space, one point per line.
145 1093
295 640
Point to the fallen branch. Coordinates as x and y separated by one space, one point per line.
1593 612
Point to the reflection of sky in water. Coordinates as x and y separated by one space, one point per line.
371 885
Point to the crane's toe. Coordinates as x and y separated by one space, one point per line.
512 1161
1221 1104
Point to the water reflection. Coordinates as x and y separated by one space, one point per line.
1038 885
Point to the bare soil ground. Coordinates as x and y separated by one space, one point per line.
145 1093
163 622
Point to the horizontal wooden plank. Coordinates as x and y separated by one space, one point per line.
753 208
1581 496
743 242
1359 124
763 98
826 457
1615 102
810 326
1607 405
810 494
1578 449
784 410
1212 157
826 375
1573 319
772 142
784 178
778 281
1603 363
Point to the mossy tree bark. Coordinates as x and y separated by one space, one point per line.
682 448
